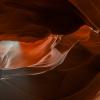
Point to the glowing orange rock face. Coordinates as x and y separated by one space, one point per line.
83 33
18 54
25 53
88 38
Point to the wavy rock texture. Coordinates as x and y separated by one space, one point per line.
78 78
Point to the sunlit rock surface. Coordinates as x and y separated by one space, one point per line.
77 78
